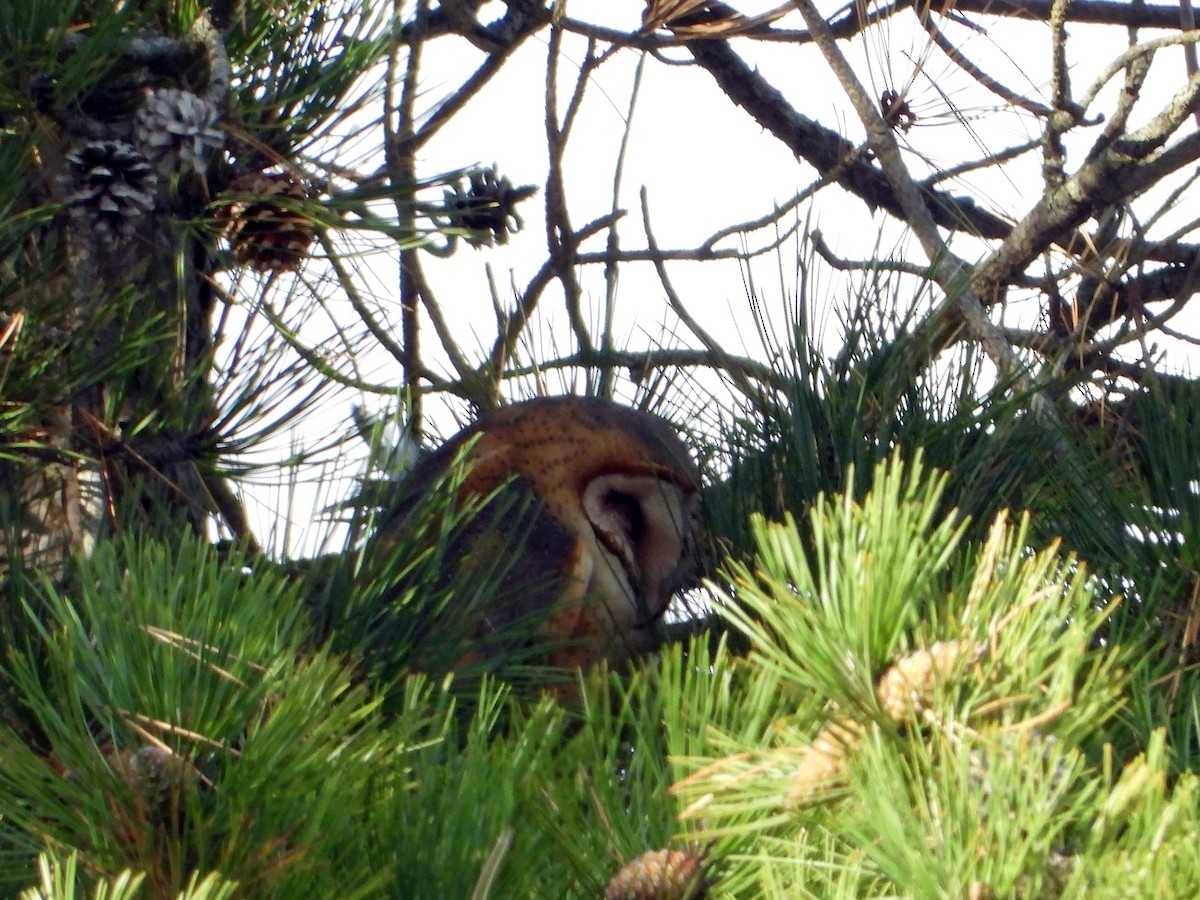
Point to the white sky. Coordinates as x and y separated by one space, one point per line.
706 165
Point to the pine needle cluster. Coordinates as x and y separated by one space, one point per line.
917 714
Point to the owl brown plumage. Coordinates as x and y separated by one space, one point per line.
606 500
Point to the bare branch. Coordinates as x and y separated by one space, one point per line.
951 273
528 300
560 239
739 368
676 303
401 170
960 59
829 152
1112 174
823 250
1137 52
853 19
1060 86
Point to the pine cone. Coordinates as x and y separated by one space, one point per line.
268 232
487 210
659 875
176 130
110 187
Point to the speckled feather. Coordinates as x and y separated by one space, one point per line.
555 448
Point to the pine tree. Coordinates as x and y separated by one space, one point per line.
944 645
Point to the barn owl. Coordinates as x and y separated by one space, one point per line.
604 501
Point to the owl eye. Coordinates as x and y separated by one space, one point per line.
625 510
643 521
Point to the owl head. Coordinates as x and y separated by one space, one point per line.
597 507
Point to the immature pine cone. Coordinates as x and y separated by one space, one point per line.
908 686
905 689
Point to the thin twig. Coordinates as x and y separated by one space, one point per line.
560 240
611 267
529 298
741 369
823 250
715 347
961 60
